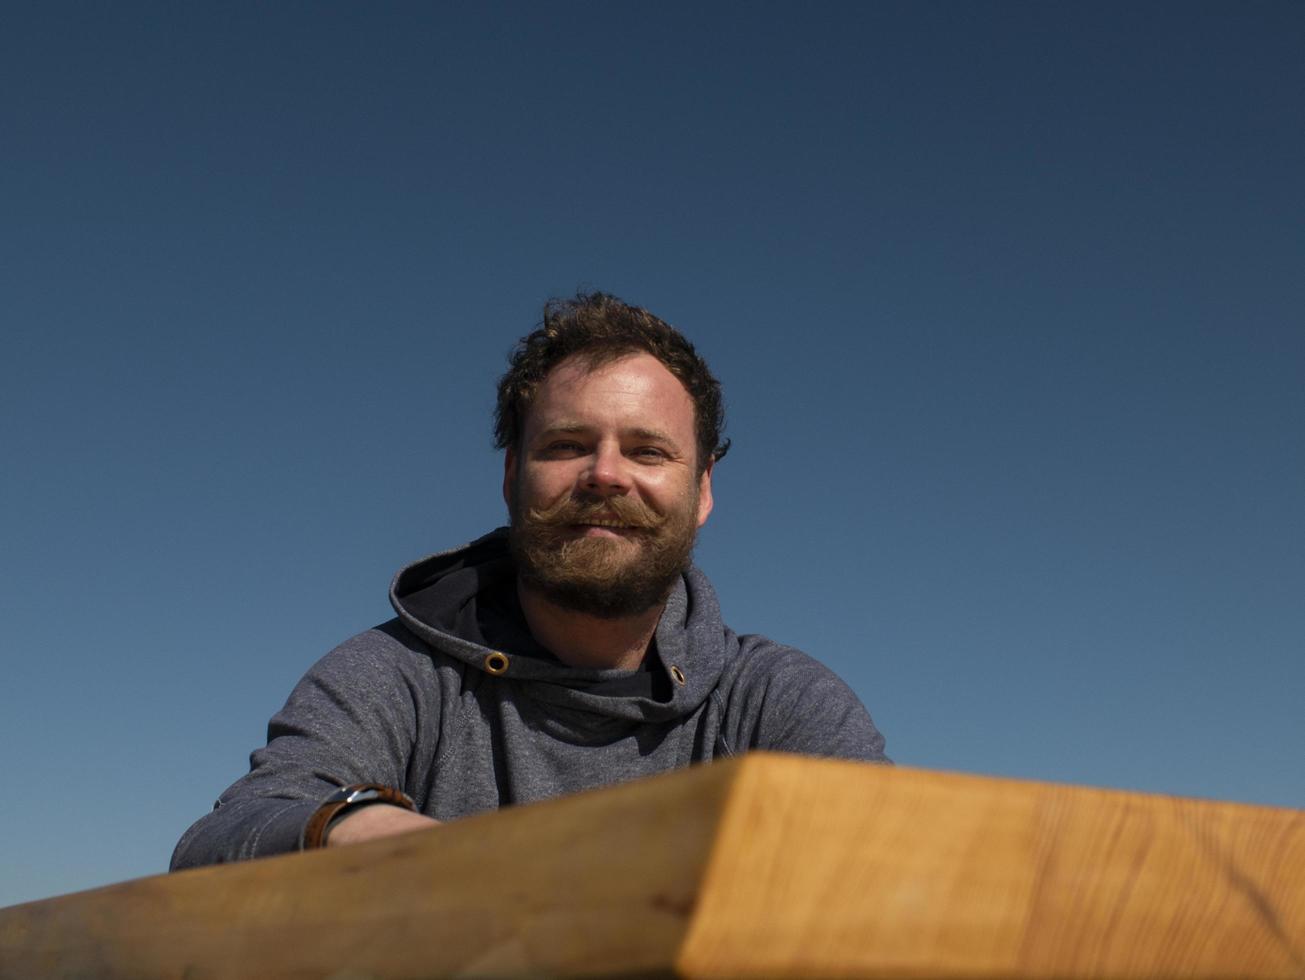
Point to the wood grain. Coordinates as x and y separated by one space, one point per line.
767 866
828 870
597 884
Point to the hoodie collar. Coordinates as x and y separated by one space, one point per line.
437 599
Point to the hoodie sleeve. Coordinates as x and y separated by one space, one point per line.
353 718
782 700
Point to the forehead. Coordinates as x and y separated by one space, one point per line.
635 390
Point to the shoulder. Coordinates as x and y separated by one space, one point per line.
385 656
778 697
766 670
387 642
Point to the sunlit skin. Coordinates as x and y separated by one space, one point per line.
625 428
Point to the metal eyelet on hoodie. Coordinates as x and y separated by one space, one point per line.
677 674
496 663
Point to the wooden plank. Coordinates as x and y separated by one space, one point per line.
597 884
829 869
762 866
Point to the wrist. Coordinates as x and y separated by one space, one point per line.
344 802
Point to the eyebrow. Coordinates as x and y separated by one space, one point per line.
656 435
563 427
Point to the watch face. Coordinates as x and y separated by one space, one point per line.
351 794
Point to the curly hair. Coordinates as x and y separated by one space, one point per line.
601 328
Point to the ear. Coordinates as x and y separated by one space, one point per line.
704 494
509 475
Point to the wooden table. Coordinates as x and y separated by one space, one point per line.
762 866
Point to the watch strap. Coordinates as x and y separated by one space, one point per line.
346 798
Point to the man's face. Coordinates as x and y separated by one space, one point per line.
604 490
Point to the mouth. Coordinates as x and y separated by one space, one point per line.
607 527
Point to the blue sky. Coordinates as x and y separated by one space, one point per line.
1008 301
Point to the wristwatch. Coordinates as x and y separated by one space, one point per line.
347 798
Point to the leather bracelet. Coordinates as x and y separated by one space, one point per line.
359 794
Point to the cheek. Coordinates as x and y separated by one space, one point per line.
669 493
544 484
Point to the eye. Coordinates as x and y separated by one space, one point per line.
563 449
650 454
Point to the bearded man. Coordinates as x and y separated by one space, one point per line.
579 647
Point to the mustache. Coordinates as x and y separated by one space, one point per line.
580 510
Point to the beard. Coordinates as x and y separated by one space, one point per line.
605 577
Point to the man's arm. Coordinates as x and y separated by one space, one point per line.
352 719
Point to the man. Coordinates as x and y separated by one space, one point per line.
577 648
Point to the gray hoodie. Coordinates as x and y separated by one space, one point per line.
411 704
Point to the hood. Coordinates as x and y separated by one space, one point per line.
431 595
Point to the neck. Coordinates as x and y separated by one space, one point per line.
580 640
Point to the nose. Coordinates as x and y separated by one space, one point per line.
607 474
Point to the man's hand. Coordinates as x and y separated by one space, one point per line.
377 820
